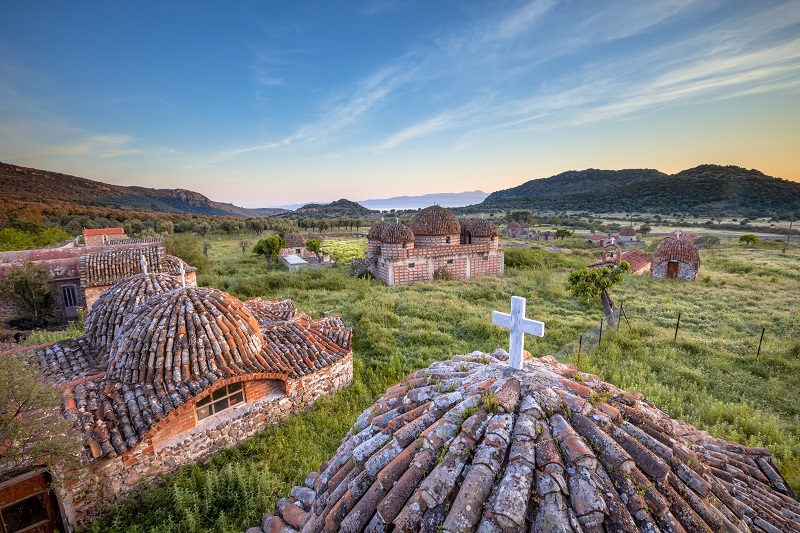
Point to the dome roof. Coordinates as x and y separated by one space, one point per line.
435 220
172 265
513 225
186 336
295 240
396 233
628 231
376 231
114 305
677 248
463 444
478 227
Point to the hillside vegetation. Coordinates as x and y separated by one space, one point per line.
36 186
709 377
339 208
707 189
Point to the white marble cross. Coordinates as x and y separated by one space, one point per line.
519 325
143 262
183 275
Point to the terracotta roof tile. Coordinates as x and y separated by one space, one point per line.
110 266
478 227
106 316
103 231
677 247
544 459
295 240
171 264
435 220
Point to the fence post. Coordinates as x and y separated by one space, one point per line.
580 344
601 332
619 317
758 353
677 325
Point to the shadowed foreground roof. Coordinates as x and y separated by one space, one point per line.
109 266
478 227
473 445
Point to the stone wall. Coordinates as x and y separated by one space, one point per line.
179 439
684 271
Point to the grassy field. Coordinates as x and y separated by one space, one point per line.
710 376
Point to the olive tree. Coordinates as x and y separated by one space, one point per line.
31 286
590 284
32 430
269 247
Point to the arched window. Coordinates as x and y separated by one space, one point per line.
219 400
447 240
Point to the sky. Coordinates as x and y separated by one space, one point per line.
267 103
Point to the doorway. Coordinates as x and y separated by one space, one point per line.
27 505
673 268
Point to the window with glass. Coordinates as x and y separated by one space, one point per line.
219 400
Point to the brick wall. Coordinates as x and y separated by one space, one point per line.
403 275
487 264
178 439
456 266
426 241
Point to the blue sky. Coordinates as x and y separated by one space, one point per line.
271 103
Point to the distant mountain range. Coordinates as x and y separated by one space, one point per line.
34 185
705 190
446 199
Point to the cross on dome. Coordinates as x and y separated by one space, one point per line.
143 262
519 325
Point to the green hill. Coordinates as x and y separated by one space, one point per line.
34 185
706 189
339 208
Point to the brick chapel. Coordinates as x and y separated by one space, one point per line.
168 374
435 242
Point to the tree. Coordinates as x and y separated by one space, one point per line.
269 247
523 217
561 233
589 284
644 229
314 246
749 238
189 248
244 245
32 287
32 430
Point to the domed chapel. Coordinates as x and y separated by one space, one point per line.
167 375
435 243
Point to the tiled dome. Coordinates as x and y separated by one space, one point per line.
172 265
676 247
435 220
478 227
185 336
396 233
376 231
473 445
627 231
107 314
295 240
513 225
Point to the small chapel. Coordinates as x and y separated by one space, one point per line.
168 374
435 244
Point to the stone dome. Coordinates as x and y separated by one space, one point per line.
467 446
513 225
435 220
677 248
191 336
295 240
396 233
106 316
478 227
376 231
627 231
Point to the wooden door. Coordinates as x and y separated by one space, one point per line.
673 268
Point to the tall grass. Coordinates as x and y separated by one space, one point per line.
709 377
